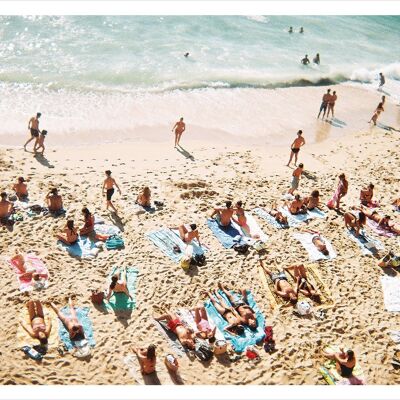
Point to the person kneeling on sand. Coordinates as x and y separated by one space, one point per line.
224 215
187 235
144 197
6 208
54 201
281 285
37 329
185 335
118 285
312 201
21 189
297 206
69 235
240 304
366 195
147 359
202 324
318 241
303 284
352 221
345 361
88 226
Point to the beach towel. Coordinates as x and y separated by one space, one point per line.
269 218
165 239
368 245
314 254
120 301
228 236
34 263
379 229
101 228
395 336
251 230
84 320
250 337
391 292
297 219
194 244
332 376
171 338
22 336
84 248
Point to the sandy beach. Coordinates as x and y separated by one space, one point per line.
215 166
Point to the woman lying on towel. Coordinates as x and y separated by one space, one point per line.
185 335
345 361
304 286
279 217
147 359
383 221
281 285
118 285
188 235
353 221
202 324
297 206
88 226
69 235
71 324
229 314
144 197
224 215
312 201
27 270
318 241
37 328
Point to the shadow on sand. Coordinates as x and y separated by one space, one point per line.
43 160
185 153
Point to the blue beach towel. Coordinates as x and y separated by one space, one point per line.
84 248
368 245
84 320
225 234
269 218
250 337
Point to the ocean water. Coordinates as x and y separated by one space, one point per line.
103 71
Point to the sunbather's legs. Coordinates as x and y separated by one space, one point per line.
228 294
221 300
218 307
197 316
39 309
182 232
74 317
203 313
65 320
168 316
31 309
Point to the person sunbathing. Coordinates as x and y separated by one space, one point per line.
352 221
366 195
345 361
118 285
229 314
54 201
202 324
240 304
186 235
281 285
303 284
88 226
147 359
224 215
28 271
279 217
6 208
312 201
69 235
318 241
144 197
21 190
383 221
71 323
297 206
174 324
239 212
37 329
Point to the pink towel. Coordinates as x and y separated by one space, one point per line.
379 229
32 262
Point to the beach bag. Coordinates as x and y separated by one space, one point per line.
185 263
114 243
202 350
97 297
241 248
199 260
220 347
259 246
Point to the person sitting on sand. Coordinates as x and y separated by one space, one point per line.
241 305
279 217
69 235
352 221
340 192
377 112
54 201
37 329
229 314
88 226
281 285
224 215
303 284
318 241
345 361
187 235
27 271
6 208
296 178
71 323
383 221
144 197
174 324
118 285
312 201
147 359
21 189
240 219
202 324
108 186
297 206
366 195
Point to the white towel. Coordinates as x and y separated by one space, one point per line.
391 292
314 254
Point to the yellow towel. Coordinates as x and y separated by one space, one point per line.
274 299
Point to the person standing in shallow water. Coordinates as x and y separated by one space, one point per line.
179 128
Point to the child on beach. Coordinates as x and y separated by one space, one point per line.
40 142
144 197
108 185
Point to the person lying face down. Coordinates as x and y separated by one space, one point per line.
224 215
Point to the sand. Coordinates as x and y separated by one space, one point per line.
190 187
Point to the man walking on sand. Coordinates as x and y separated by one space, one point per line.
108 185
33 126
179 128
295 148
326 98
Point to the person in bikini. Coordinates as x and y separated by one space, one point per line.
331 105
147 359
281 285
33 127
69 235
118 285
240 219
318 241
355 222
37 329
187 235
179 128
312 201
240 304
377 112
224 215
6 208
21 189
366 195
54 201
396 204
345 361
326 98
144 197
71 323
88 226
383 221
304 286
185 335
27 271
108 189
202 324
229 314
295 147
297 206
296 178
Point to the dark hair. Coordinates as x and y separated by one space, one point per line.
342 175
316 298
350 355
297 197
70 224
301 165
193 227
212 339
44 132
151 352
362 217
38 114
108 172
239 203
371 186
54 191
334 92
315 193
3 195
300 132
325 252
114 280
239 329
86 211
328 90
21 179
228 204
43 341
293 301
